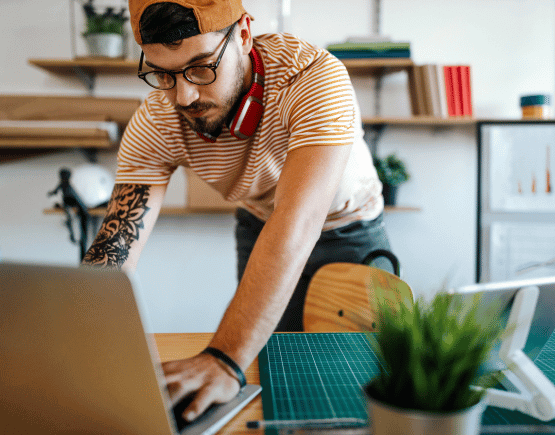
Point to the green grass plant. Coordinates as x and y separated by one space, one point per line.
432 354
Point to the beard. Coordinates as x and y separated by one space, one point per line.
213 126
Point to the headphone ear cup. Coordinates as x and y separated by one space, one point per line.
244 123
250 110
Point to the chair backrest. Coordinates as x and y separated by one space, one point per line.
340 294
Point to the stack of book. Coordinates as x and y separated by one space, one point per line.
440 90
369 47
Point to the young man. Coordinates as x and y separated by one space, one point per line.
269 121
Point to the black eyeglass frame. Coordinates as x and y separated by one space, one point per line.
172 74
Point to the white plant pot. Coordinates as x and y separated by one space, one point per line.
389 420
105 44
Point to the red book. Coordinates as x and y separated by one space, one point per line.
457 101
449 90
466 94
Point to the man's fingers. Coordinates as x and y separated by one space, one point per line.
209 379
200 404
207 396
178 389
171 367
173 388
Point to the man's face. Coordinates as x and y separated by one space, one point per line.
204 107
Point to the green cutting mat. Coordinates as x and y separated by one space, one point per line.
312 376
321 375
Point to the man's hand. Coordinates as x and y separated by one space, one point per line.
203 375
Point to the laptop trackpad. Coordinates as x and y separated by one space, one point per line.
215 417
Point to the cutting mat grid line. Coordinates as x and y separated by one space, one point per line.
317 375
320 375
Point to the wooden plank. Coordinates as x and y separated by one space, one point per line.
422 121
55 142
47 132
208 209
377 66
91 64
57 107
165 211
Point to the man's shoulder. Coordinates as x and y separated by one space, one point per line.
289 50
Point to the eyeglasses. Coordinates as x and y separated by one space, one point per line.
196 74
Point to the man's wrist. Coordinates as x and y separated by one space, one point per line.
228 361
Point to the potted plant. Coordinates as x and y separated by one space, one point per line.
391 172
431 357
104 31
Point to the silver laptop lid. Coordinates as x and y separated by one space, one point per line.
73 354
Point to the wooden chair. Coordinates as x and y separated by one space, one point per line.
341 294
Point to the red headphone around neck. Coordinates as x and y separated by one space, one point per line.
243 123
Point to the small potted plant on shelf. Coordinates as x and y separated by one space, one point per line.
104 31
391 172
431 357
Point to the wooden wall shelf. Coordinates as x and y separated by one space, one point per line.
377 67
165 211
124 66
96 65
421 121
51 110
66 108
40 138
431 121
187 211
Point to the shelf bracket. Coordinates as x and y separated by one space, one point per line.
88 78
91 154
372 135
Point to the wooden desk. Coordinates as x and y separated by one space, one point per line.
178 346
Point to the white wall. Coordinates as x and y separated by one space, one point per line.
187 270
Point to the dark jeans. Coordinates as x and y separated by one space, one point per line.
350 243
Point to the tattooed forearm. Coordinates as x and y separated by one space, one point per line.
124 219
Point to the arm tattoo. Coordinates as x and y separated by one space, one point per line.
124 219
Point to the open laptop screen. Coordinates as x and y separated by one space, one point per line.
74 357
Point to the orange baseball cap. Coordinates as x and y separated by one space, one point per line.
212 15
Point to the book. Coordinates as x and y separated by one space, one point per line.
457 102
420 93
364 50
465 91
368 54
369 46
449 91
440 90
413 94
442 96
432 90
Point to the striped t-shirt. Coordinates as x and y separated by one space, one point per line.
308 101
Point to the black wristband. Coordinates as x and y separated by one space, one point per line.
217 353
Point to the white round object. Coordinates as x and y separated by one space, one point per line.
93 184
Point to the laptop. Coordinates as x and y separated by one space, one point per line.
74 358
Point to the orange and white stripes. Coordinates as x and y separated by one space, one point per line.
308 101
